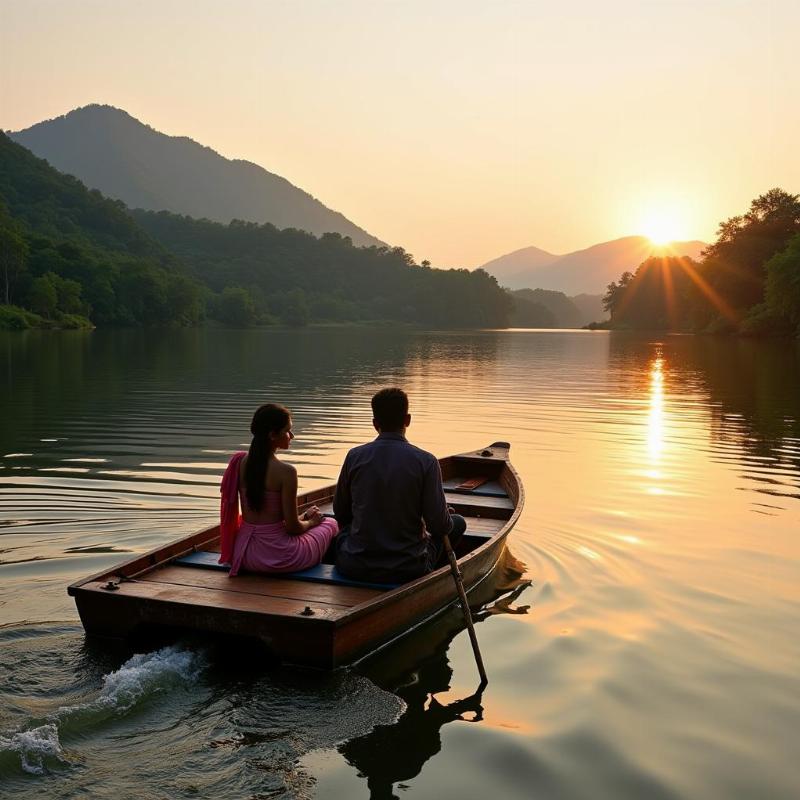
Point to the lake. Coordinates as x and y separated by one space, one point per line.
655 653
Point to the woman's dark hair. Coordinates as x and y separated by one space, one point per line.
268 419
389 408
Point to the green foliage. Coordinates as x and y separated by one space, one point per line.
783 282
330 308
295 309
13 254
14 318
58 237
339 282
734 265
74 322
234 307
762 320
42 296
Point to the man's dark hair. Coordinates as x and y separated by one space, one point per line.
389 408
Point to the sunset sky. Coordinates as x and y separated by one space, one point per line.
459 130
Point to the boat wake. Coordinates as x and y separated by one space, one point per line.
38 746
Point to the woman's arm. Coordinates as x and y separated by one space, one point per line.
294 525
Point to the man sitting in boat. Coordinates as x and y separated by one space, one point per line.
390 503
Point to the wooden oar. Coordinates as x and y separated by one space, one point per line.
465 608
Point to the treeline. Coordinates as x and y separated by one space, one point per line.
748 280
258 272
69 255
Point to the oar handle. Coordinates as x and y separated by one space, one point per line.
451 556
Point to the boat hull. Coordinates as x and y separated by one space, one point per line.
316 625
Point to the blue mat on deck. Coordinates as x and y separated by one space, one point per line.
488 489
322 573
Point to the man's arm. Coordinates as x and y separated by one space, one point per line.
342 502
434 506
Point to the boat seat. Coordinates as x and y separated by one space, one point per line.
487 489
322 573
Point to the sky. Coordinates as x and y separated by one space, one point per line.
460 131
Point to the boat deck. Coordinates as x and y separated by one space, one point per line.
283 595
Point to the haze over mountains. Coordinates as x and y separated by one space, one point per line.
586 271
109 150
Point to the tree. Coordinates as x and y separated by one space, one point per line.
734 265
13 252
42 297
68 294
295 309
235 307
783 282
615 292
184 300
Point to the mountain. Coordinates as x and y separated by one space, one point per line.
586 271
109 150
519 261
69 255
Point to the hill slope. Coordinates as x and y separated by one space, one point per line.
510 265
77 252
111 151
586 271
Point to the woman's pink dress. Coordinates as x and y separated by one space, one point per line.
268 547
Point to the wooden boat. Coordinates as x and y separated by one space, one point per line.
317 617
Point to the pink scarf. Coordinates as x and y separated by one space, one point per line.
229 517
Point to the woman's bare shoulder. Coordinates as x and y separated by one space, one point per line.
280 472
284 469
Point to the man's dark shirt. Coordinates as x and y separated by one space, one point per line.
389 492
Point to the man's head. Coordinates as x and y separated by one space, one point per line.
390 411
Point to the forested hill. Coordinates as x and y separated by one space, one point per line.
60 206
110 150
293 275
67 252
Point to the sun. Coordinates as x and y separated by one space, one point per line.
662 226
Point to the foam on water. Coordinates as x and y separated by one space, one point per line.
33 746
139 679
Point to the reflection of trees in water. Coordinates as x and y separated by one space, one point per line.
391 754
753 386
206 381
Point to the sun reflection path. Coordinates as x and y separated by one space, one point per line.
655 418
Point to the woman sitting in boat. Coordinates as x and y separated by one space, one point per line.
269 535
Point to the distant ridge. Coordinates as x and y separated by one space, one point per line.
586 271
528 258
109 150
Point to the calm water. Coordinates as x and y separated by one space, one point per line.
655 655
